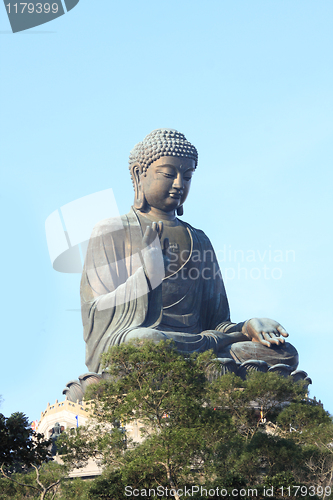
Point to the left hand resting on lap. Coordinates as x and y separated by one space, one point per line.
265 331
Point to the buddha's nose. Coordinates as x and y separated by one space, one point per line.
179 182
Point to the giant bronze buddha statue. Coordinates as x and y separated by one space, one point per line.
150 275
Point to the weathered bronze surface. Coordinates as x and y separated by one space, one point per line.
154 276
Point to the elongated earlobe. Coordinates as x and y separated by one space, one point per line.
139 199
180 211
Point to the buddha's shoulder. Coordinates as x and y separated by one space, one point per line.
110 225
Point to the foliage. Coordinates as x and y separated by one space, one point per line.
268 392
24 461
51 475
74 489
19 444
37 482
260 432
165 392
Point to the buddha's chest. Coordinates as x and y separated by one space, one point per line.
179 249
182 284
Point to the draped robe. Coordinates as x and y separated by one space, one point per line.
117 297
119 301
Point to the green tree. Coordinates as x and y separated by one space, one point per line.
26 486
229 432
311 427
19 444
42 481
167 394
268 393
23 456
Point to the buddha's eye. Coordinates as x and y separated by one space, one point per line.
187 178
169 176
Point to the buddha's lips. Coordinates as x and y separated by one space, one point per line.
175 195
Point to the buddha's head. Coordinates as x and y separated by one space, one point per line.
161 167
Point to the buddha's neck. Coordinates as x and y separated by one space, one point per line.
156 215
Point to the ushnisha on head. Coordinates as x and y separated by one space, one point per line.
160 143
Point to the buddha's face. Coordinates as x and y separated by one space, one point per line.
167 182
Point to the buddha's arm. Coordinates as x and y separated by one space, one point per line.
229 327
108 290
115 292
231 333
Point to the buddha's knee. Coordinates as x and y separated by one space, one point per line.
145 333
283 353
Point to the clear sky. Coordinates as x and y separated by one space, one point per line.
250 83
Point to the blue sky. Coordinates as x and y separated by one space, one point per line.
249 83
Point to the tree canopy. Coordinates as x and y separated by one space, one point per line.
260 432
260 437
19 444
24 456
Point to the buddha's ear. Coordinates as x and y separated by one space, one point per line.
139 200
180 210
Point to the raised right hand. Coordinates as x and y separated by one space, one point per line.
152 254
